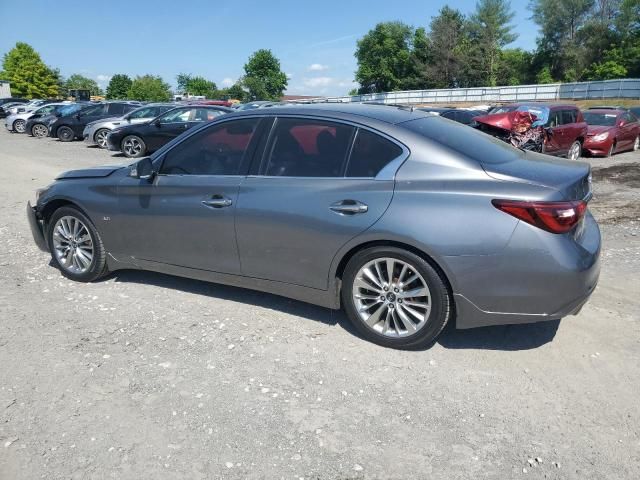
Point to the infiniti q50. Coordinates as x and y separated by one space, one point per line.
406 220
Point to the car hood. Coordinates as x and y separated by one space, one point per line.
511 121
95 172
597 129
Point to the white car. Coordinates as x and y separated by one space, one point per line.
18 121
28 107
96 132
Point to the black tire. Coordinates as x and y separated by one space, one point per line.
19 126
133 146
611 150
98 137
441 299
39 130
636 144
65 134
98 265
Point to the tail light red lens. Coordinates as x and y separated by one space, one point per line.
554 217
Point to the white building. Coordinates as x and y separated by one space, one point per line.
5 89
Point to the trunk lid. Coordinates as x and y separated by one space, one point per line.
572 179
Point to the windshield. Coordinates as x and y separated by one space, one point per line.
70 109
604 119
541 112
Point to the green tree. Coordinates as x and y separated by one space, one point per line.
196 85
544 76
28 74
118 87
608 70
490 30
149 88
263 78
384 57
448 47
514 67
77 81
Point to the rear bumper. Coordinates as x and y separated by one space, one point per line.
540 276
37 228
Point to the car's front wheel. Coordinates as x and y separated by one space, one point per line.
575 150
101 137
39 130
76 246
65 134
19 126
395 298
133 146
636 144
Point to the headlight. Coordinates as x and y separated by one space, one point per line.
600 137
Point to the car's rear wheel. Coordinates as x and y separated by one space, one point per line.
76 246
395 298
39 130
65 134
574 151
19 126
101 137
133 146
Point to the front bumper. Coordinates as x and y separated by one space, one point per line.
597 148
37 228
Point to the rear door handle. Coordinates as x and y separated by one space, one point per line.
217 201
349 207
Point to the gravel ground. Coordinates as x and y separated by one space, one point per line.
148 376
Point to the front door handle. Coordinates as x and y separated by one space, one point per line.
349 207
218 201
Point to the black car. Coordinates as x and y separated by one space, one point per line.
143 138
456 114
70 126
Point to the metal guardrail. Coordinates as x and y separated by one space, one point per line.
596 90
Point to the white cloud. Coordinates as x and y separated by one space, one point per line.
227 82
103 78
289 75
318 82
317 67
329 86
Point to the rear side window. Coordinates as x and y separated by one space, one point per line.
370 154
308 148
218 150
115 108
568 116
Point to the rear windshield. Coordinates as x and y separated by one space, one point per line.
605 119
463 139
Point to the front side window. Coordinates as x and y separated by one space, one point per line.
45 110
144 112
177 115
116 108
206 114
370 154
308 148
95 110
568 116
218 150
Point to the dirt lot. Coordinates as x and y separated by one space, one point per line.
147 376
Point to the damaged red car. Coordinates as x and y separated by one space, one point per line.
611 131
554 129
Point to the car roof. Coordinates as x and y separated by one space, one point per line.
382 113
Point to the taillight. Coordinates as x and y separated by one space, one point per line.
554 217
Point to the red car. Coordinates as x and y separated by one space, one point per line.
564 127
611 131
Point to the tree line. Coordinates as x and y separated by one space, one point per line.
30 77
579 40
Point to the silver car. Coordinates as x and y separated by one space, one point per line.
96 132
406 220
18 121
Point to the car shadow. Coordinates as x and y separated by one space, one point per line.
502 337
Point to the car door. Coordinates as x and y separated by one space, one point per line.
90 115
316 189
628 131
554 142
168 126
185 216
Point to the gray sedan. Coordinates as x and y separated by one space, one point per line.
406 220
95 133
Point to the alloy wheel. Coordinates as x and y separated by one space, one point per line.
391 297
574 152
39 130
19 126
132 146
101 137
72 245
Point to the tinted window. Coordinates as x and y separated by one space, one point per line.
129 107
308 148
605 119
370 154
568 116
116 108
177 115
629 118
145 112
218 150
206 114
555 119
95 110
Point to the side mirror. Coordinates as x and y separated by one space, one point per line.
142 169
157 123
622 123
77 116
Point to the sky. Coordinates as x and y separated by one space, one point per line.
315 41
